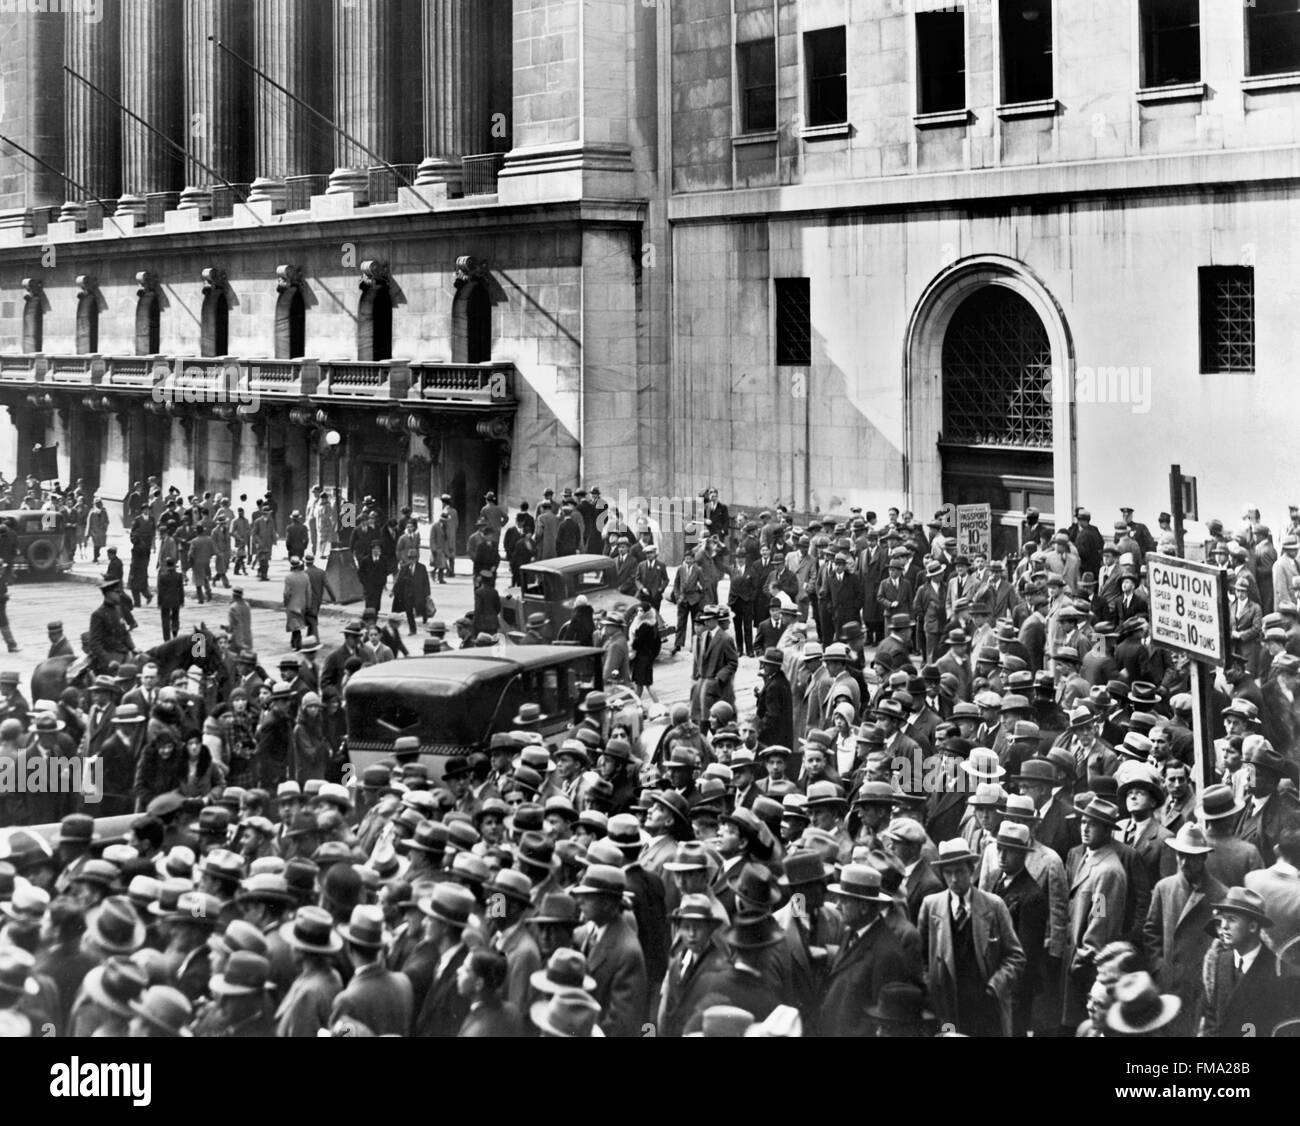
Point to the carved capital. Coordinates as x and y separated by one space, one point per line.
87 285
146 282
33 289
375 275
215 280
289 277
469 268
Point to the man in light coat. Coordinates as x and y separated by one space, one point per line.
972 955
297 601
1098 893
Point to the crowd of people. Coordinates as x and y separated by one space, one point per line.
965 798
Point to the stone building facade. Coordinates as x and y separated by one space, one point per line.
820 252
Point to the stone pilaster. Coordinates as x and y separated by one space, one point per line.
457 87
92 124
152 52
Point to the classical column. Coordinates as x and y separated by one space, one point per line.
457 86
365 62
287 46
152 51
217 88
92 124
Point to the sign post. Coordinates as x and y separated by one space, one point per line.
974 529
1189 613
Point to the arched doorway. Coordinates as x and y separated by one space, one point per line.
987 348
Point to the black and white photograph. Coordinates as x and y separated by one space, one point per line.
653 519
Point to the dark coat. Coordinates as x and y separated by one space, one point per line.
377 998
856 975
618 965
444 1010
679 997
171 590
775 712
1253 1006
493 1020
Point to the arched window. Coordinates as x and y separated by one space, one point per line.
148 324
375 324
997 373
215 332
87 324
290 325
471 324
34 318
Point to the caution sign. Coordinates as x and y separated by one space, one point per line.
974 529
1189 607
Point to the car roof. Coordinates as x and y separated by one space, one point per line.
470 666
567 563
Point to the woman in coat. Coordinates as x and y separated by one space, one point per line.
309 749
411 591
197 772
645 648
442 546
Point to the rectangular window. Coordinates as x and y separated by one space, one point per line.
828 79
1273 36
793 322
1026 50
756 63
1171 42
1227 318
941 61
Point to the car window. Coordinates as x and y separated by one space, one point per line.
592 580
534 584
557 587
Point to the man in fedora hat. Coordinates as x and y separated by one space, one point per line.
775 701
375 997
1269 808
1243 994
1099 890
812 927
1178 927
509 900
614 955
868 956
1046 783
433 966
973 957
239 1005
1028 905
697 954
1139 1009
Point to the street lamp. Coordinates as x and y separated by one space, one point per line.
333 439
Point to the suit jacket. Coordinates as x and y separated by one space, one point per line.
618 965
944 812
1279 886
921 883
1261 829
857 972
657 853
649 908
680 994
1058 825
377 998
493 1020
717 671
1176 941
1252 1006
1149 844
444 1009
1098 892
998 953
1028 906
306 1008
523 956
808 973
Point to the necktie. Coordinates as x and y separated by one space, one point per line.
688 960
959 914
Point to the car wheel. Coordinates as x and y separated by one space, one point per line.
43 557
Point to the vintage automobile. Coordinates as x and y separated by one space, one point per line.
39 541
454 702
550 586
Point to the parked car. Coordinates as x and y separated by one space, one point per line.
550 587
40 547
454 702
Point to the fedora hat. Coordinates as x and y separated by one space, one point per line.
557 907
753 932
825 795
28 904
860 881
1219 802
1140 775
565 969
311 930
430 837
569 1013
984 765
511 883
449 903
900 1002
772 656
754 886
535 851
115 926
691 856
245 975
16 973
164 1009
693 906
1190 840
601 879
1259 752
955 851
1020 807
804 868
874 793
115 984
238 935
1139 1006
674 803
1015 834
1100 810
1243 901
987 795
365 928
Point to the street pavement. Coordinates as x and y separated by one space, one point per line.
73 598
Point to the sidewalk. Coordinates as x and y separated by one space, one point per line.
453 599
